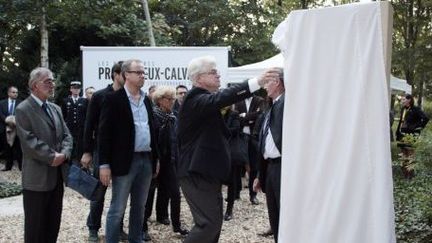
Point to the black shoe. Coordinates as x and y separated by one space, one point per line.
93 236
268 233
146 236
123 236
254 201
181 231
228 216
163 221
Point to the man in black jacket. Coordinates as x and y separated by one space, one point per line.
249 110
204 153
11 150
90 149
74 110
270 144
127 151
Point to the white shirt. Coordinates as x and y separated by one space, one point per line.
270 149
248 101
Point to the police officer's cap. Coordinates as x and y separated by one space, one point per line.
76 84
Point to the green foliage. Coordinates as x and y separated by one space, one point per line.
423 149
413 197
9 189
427 108
413 208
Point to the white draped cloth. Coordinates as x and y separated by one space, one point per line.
336 179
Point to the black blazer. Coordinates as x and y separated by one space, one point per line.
4 112
276 121
415 121
202 133
255 109
116 136
92 118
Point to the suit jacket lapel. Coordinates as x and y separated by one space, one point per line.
277 119
126 103
38 110
254 104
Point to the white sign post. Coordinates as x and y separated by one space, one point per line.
163 65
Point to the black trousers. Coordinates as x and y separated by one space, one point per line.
12 153
168 183
162 199
253 164
204 196
273 182
233 186
42 214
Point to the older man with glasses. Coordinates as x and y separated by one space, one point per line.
47 145
204 153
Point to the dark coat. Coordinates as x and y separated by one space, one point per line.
4 112
415 121
75 114
255 109
202 133
92 118
116 136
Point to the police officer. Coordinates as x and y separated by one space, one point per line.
74 112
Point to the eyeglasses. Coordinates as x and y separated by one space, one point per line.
48 81
212 72
139 73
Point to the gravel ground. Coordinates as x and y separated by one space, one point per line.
248 221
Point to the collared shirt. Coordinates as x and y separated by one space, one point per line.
10 103
270 149
141 122
38 101
248 101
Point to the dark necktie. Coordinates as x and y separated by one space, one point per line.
265 129
45 109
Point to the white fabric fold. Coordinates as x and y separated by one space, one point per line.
336 179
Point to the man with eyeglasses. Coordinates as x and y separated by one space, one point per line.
204 154
181 91
127 151
9 143
46 144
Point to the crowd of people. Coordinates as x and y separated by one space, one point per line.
140 144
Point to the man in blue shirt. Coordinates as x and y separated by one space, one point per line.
127 151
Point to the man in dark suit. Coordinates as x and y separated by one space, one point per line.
249 110
204 153
74 110
270 143
12 149
90 149
181 91
127 151
47 145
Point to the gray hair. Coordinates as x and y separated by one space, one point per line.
162 91
126 66
36 75
200 65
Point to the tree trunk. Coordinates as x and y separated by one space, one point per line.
44 40
149 23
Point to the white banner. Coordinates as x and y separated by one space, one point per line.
163 65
